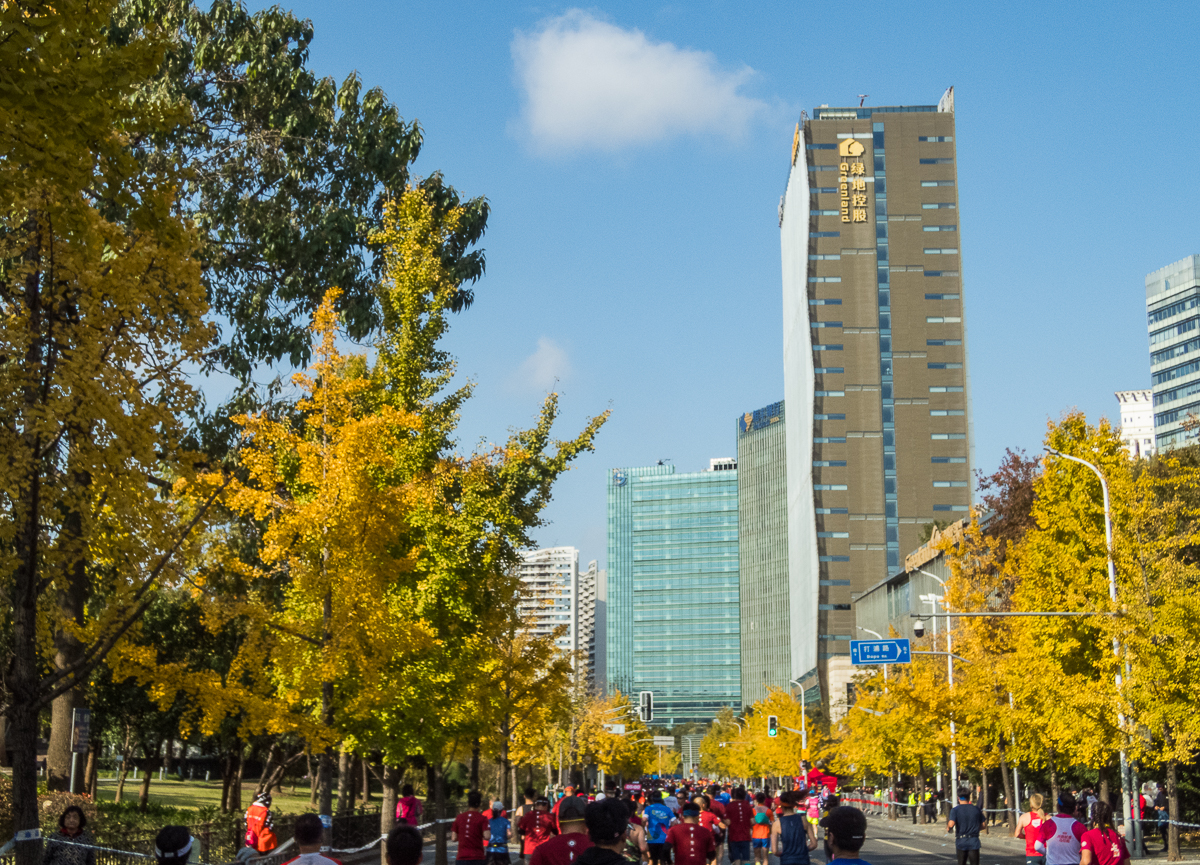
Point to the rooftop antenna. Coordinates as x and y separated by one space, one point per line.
862 98
664 460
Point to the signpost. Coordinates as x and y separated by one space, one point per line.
870 652
81 723
617 729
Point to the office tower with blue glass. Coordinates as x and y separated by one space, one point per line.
1173 317
875 362
672 581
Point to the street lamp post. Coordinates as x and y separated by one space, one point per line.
878 636
1126 786
950 677
803 723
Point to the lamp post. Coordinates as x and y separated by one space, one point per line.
878 636
950 677
803 723
1126 786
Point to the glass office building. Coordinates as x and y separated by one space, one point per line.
763 551
672 612
875 361
1173 318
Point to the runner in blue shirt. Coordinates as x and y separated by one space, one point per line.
658 819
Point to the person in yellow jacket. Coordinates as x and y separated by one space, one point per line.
912 805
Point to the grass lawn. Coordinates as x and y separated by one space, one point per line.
196 794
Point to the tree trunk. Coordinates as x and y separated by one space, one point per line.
226 779
312 780
343 785
1014 810
1172 811
121 776
58 751
366 781
235 784
1103 786
89 771
325 773
390 780
983 796
475 765
1054 788
71 597
151 761
169 755
439 794
24 730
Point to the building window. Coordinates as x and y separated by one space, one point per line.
940 389
825 324
841 464
824 234
947 459
824 212
833 534
1174 330
940 205
828 301
829 417
1176 372
943 251
937 161
829 370
942 412
834 559
949 483
829 440
833 606
830 393
942 296
833 510
944 366
821 147
833 488
834 257
1174 309
943 342
816 190
950 507
1157 357
943 319
822 168
827 347
824 279
941 437
939 228
937 182
936 138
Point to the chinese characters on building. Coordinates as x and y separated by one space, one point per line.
852 189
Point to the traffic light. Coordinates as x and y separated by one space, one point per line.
646 707
772 726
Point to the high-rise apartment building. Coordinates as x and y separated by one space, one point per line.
550 599
1137 421
875 363
673 589
766 622
1173 317
589 586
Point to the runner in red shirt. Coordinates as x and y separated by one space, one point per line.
739 818
690 842
565 847
1102 845
536 827
471 832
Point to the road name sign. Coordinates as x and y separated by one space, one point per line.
880 652
618 729
664 741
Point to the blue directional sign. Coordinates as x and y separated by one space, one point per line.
879 652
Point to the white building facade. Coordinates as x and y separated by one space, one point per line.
556 594
1173 321
1137 421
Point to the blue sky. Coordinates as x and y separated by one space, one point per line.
634 155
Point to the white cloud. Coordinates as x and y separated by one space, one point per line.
591 85
543 368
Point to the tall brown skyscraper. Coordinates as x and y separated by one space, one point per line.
875 364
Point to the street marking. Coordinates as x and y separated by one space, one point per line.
913 849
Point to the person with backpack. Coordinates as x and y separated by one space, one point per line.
408 807
260 827
760 831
